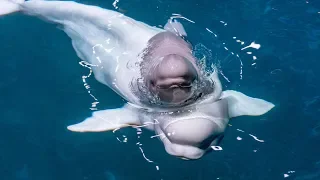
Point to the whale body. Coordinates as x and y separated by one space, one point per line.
117 48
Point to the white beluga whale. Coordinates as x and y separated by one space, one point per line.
153 69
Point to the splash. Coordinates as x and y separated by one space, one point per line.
115 4
86 85
217 148
138 143
285 175
179 16
252 45
253 136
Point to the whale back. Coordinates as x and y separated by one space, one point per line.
107 41
113 48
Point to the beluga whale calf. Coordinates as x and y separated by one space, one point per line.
153 69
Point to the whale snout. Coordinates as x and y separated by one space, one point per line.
191 138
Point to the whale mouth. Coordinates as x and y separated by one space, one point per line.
185 93
176 83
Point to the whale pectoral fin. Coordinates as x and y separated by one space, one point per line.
107 120
175 27
240 104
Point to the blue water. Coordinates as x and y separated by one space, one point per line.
41 92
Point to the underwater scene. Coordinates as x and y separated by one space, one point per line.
160 90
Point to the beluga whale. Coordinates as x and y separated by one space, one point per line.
153 69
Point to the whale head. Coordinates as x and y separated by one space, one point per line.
171 71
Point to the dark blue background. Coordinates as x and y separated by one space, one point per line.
41 92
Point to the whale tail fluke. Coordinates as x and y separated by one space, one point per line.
9 6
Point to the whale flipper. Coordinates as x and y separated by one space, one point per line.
241 105
107 120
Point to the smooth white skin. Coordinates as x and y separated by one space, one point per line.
110 41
